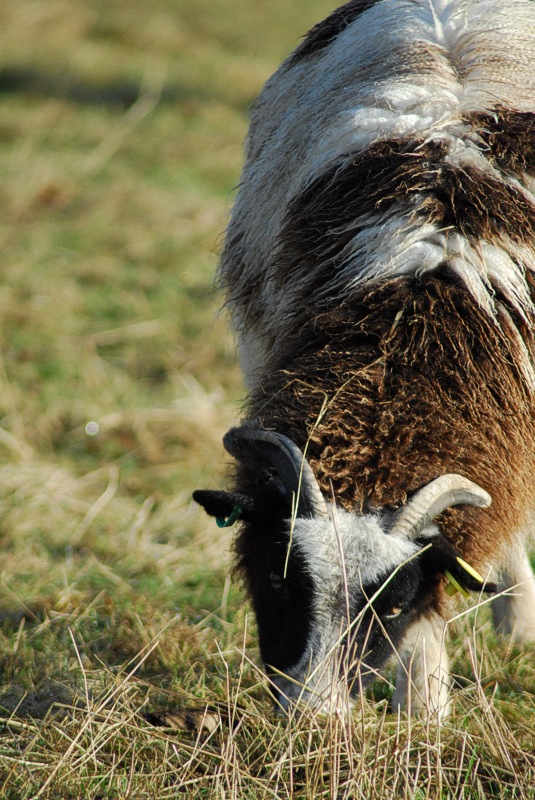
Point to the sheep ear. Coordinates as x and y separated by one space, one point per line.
440 557
226 507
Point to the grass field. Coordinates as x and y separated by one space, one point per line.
121 126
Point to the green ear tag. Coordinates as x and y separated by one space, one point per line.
221 522
453 586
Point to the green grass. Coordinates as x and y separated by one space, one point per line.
121 127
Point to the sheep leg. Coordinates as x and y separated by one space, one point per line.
423 677
514 613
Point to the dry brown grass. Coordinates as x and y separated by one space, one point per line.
116 735
121 128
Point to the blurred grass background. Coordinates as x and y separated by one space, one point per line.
121 129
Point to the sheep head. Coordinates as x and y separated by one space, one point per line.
334 591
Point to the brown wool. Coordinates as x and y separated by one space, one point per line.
508 138
408 382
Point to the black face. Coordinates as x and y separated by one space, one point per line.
380 616
282 595
286 600
380 613
279 587
284 606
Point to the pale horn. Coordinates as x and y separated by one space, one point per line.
429 501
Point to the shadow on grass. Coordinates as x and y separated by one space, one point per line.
118 94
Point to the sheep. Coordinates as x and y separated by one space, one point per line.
379 272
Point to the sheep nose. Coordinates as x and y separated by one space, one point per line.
280 708
281 700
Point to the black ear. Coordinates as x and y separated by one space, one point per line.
223 504
441 558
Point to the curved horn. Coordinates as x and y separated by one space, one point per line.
281 453
429 501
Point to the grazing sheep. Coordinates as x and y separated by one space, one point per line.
379 270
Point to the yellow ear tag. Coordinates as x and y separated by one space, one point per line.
453 586
471 571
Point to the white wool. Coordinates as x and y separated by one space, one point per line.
347 547
402 68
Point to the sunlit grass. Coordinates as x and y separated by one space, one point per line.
121 126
